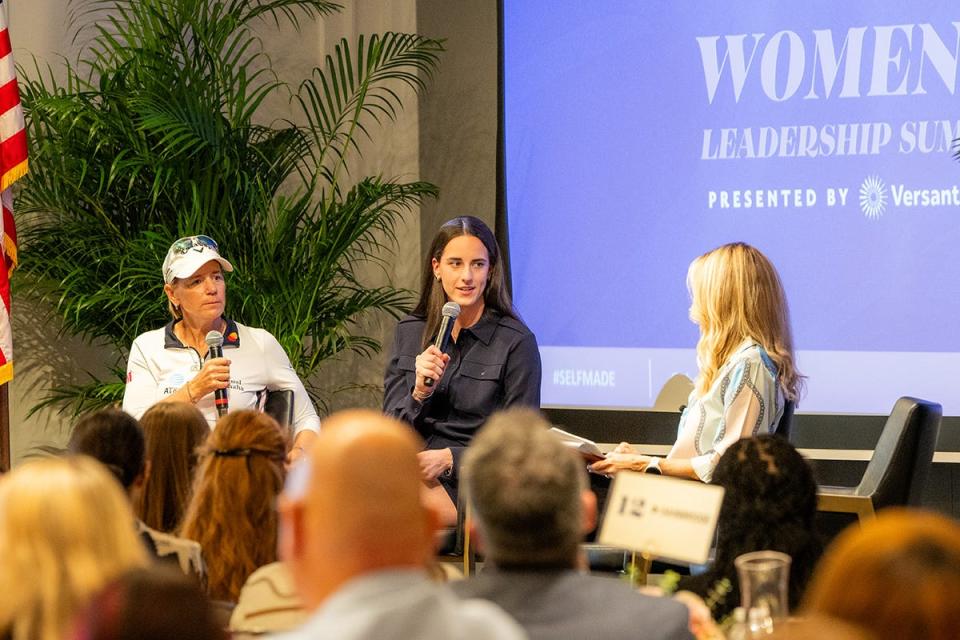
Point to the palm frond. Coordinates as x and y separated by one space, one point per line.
77 399
349 91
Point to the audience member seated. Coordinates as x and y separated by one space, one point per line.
268 602
115 439
770 502
159 603
897 576
231 511
173 432
67 530
532 508
358 540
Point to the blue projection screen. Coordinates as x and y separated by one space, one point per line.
639 135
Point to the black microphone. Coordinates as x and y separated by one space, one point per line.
215 350
449 313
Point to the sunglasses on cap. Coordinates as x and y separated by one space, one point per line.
183 245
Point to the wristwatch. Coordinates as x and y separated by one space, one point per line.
653 467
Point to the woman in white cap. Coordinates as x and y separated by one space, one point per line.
170 364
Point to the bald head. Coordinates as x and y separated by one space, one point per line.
365 479
361 510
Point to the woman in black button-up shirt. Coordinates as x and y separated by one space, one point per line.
492 361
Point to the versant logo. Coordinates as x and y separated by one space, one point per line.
873 197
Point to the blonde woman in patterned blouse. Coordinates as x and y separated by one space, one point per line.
745 355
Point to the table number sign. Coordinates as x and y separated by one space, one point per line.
663 517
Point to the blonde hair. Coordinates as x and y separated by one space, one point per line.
737 295
67 530
897 576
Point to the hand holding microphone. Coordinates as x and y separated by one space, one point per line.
431 364
214 374
448 315
221 399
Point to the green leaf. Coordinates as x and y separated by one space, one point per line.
155 131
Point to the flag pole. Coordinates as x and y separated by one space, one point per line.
4 427
13 166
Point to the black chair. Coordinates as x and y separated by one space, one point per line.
279 406
786 421
898 470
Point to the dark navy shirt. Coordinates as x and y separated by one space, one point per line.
493 364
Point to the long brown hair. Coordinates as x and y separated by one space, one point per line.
173 432
736 294
432 296
231 511
897 576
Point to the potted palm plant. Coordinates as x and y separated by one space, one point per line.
156 132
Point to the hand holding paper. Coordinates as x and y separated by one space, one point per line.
586 448
614 462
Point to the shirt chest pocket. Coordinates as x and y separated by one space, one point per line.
476 389
480 371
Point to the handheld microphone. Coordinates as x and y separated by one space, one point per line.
449 313
215 350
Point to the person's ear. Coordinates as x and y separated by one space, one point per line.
135 490
292 532
588 502
141 480
436 268
171 296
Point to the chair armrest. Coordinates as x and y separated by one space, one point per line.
844 500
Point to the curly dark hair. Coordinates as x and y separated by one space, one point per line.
770 504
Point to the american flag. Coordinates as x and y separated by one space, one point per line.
13 166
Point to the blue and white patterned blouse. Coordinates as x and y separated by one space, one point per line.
744 400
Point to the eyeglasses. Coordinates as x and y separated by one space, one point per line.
183 245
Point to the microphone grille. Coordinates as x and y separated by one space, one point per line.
451 310
214 339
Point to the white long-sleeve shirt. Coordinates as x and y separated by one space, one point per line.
160 364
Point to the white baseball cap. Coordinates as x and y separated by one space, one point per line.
186 255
